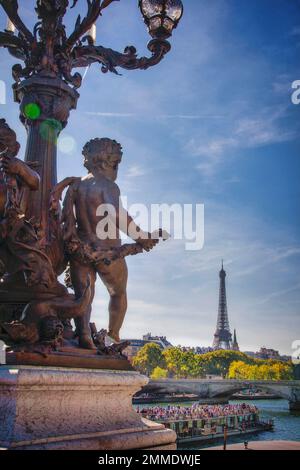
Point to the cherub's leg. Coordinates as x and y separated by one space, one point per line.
114 277
80 275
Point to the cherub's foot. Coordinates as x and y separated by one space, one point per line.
86 342
115 338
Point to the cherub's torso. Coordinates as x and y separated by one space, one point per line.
91 193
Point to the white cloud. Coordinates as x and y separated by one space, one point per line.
155 116
256 130
113 115
279 294
135 171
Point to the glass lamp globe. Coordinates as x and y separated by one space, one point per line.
161 16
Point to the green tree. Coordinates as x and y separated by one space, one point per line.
159 373
189 366
232 364
186 364
238 370
262 370
218 362
174 361
148 358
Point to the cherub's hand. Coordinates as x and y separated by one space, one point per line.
10 165
147 243
54 204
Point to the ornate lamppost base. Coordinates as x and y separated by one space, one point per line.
74 409
74 357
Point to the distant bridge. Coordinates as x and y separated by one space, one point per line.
224 389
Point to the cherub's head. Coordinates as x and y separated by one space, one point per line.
103 156
8 140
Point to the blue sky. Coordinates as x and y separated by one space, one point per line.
212 124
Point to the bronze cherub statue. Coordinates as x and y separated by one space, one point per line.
90 252
45 321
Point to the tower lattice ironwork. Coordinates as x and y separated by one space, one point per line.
222 336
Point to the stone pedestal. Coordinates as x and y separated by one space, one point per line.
74 409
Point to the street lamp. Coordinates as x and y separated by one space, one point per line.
48 49
161 16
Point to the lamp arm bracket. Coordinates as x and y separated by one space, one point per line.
84 56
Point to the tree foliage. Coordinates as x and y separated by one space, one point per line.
159 373
177 363
148 358
270 370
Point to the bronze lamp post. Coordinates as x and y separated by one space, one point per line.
38 240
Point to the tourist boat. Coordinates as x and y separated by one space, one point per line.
255 396
190 430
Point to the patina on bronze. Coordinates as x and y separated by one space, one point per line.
38 241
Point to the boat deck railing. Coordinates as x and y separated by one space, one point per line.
189 426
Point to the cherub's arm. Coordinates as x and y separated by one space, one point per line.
124 221
14 166
56 194
9 163
68 216
123 218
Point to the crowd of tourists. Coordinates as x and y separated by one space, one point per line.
196 411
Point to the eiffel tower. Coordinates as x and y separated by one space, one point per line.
222 336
